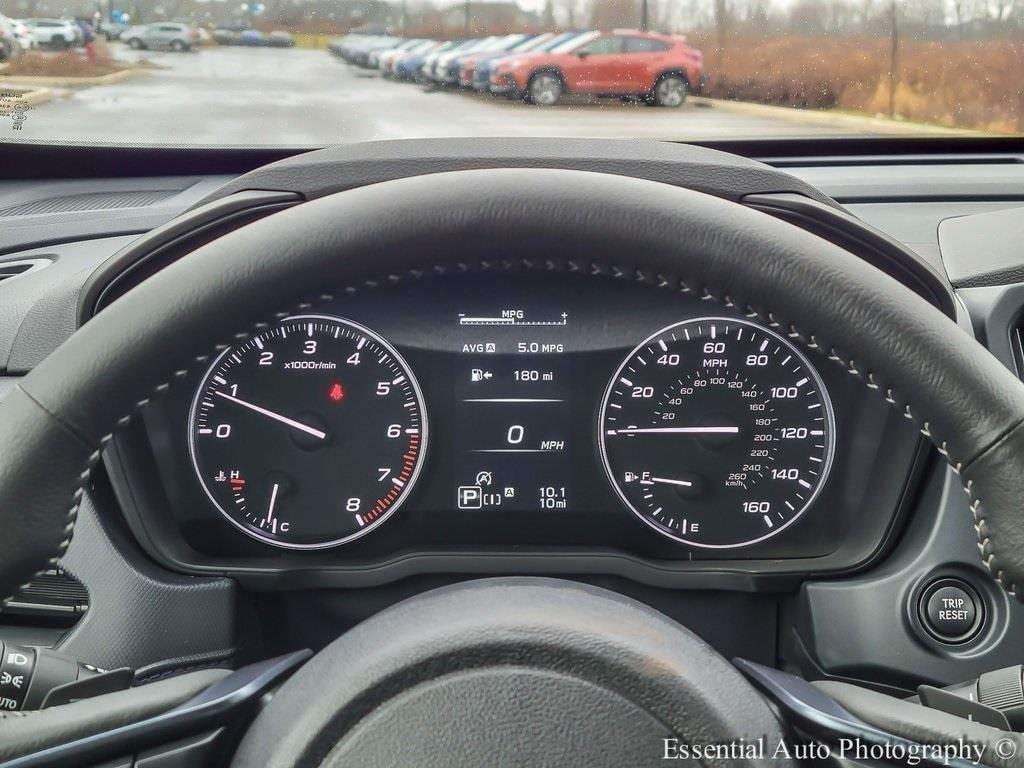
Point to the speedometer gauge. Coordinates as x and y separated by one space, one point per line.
310 434
717 432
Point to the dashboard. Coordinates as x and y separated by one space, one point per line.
556 414
153 543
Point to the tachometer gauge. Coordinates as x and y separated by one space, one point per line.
310 434
717 432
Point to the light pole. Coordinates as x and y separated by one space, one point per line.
466 12
644 19
893 57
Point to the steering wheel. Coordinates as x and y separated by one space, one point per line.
460 673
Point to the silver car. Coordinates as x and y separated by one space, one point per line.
162 34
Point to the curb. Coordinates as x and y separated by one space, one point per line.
855 123
72 82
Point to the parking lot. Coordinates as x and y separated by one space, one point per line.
246 96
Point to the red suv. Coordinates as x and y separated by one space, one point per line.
660 69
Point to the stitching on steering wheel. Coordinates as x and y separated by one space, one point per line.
988 556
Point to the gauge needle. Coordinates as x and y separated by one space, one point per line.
669 481
273 498
680 430
275 416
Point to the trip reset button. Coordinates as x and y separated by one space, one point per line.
951 611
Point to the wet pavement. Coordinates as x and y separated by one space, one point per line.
250 96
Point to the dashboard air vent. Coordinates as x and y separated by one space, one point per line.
12 269
1017 343
89 201
54 593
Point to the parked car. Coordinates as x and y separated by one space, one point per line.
500 44
426 73
55 33
361 58
162 34
280 39
339 45
10 45
252 38
470 62
659 69
23 34
374 58
228 34
540 44
461 68
409 66
498 84
387 59
356 48
439 73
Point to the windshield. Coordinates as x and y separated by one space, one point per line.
308 73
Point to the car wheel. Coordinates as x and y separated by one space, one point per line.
669 91
135 43
179 46
60 43
544 89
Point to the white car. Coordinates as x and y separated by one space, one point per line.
10 46
439 66
56 33
23 33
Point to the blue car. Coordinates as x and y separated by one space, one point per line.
497 45
410 67
482 73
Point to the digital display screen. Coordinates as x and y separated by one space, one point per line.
513 439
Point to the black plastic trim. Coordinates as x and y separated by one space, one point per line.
816 714
163 245
996 314
873 246
128 463
75 161
38 161
237 694
336 169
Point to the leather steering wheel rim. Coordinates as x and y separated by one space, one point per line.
59 417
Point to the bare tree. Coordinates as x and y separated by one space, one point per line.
569 13
607 14
549 14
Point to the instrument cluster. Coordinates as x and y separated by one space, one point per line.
535 414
